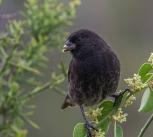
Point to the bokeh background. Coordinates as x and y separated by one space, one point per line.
127 27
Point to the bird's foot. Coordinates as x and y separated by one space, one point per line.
89 131
90 128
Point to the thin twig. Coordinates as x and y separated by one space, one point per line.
146 125
28 69
37 90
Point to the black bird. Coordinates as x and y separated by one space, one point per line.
93 73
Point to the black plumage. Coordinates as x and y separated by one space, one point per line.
93 72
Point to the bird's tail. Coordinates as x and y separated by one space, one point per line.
67 102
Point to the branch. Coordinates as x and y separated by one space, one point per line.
145 127
38 90
42 88
26 68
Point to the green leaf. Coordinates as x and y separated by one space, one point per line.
33 124
107 107
118 131
147 101
104 124
79 130
144 69
147 77
104 119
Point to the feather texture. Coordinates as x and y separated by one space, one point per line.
93 71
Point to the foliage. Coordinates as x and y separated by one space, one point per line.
109 112
22 55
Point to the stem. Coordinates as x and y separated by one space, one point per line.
42 88
25 68
38 90
146 125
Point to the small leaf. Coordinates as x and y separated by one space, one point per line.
104 119
118 131
144 69
79 130
34 125
104 124
107 107
147 77
147 101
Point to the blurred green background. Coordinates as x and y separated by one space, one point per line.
127 27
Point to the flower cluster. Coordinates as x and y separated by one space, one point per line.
135 83
99 133
93 114
120 116
150 60
130 101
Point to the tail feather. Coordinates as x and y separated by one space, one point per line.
67 102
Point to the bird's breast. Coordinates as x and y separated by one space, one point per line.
93 79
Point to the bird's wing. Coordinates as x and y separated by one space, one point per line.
68 102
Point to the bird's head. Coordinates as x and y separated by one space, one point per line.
82 43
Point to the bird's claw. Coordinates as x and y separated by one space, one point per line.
89 128
92 127
89 131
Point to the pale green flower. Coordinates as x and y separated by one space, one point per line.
135 83
120 116
99 133
130 101
93 114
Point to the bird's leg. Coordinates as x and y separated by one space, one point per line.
87 124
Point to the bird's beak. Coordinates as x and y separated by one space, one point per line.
69 47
